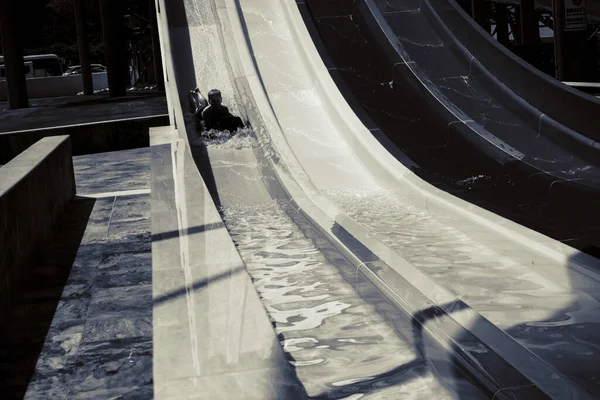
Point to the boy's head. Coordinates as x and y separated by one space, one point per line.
214 97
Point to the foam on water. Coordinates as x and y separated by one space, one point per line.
241 139
339 344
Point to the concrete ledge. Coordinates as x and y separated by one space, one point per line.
90 138
35 187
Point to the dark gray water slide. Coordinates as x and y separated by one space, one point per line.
465 109
506 102
551 101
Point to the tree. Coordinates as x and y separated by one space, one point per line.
49 27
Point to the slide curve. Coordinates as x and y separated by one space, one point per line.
261 55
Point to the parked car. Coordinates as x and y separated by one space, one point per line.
38 66
76 69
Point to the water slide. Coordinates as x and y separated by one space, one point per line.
309 189
479 80
474 116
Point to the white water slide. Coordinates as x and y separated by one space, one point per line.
481 286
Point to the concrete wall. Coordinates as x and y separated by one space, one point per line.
35 187
86 138
56 86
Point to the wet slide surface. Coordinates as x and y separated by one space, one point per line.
546 187
556 318
340 345
493 275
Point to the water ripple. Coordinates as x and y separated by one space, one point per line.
339 344
501 285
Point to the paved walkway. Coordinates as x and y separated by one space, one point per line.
84 326
58 111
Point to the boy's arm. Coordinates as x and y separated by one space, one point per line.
206 117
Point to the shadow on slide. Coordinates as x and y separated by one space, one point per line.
186 79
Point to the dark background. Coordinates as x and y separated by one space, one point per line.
48 26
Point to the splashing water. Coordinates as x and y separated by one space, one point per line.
243 138
502 287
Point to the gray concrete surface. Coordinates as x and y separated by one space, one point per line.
104 174
35 188
83 325
86 138
95 123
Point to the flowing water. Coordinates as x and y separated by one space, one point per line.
554 321
341 346
496 284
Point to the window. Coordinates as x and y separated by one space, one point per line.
50 65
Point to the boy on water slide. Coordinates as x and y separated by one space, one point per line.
213 113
